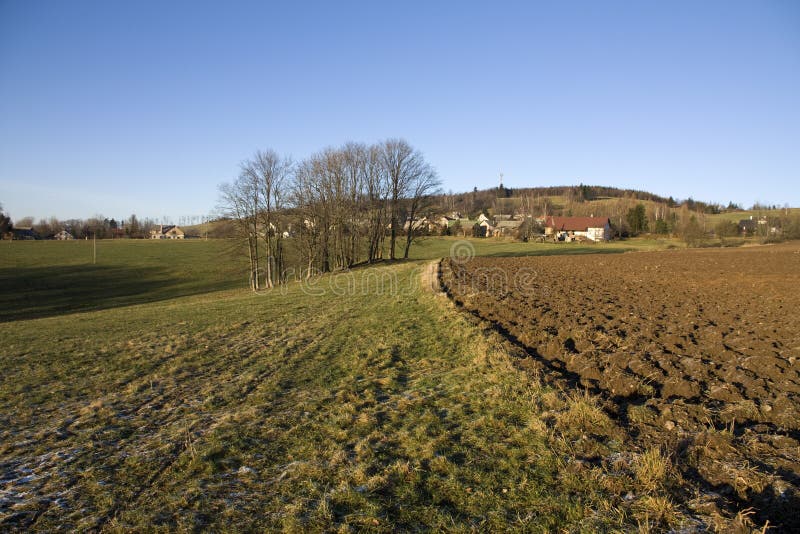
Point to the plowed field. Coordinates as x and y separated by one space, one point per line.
695 349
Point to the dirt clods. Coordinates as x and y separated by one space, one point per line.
697 351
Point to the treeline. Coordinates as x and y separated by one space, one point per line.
337 208
773 225
483 201
99 226
583 193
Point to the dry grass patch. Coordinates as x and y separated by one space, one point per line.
652 469
655 513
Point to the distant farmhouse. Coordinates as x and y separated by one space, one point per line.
753 226
63 235
576 228
484 228
167 232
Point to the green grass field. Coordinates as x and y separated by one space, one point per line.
39 279
42 278
152 390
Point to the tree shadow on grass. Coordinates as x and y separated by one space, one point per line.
55 290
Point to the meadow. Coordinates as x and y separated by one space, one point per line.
43 278
152 390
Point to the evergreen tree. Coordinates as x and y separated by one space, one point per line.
637 219
5 223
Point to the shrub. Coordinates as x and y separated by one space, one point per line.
692 233
726 229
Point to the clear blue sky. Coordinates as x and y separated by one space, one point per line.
145 107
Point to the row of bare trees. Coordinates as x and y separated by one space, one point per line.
254 201
330 211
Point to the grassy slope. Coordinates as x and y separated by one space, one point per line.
357 407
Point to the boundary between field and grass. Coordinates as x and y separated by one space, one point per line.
562 379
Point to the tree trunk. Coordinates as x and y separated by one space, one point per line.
255 258
409 233
252 264
268 268
393 236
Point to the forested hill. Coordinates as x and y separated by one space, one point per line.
587 192
558 197
576 193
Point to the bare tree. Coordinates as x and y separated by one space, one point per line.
25 222
354 156
401 163
377 193
304 201
411 178
314 198
339 198
133 227
239 201
423 183
268 173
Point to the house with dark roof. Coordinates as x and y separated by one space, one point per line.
572 228
167 232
